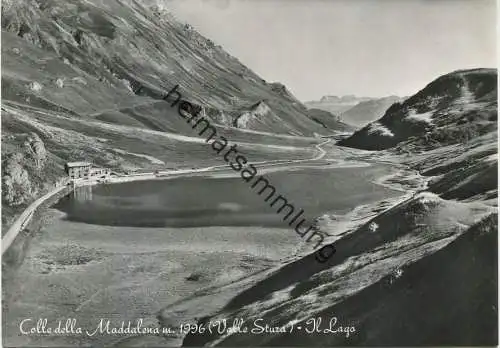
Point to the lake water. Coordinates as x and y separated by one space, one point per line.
201 201
125 251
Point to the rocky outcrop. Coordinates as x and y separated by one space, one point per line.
281 90
16 185
20 167
35 150
261 117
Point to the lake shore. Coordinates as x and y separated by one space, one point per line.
213 295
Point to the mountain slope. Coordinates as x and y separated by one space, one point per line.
329 121
119 43
452 109
368 111
430 264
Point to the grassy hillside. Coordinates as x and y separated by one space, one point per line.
82 56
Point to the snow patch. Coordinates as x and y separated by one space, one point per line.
60 83
127 85
373 227
491 158
377 128
186 65
35 86
423 117
466 94
428 197
80 80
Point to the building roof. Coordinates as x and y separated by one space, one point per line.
78 164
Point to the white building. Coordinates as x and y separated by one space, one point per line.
78 170
85 171
99 173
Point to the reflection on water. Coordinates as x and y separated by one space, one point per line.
82 193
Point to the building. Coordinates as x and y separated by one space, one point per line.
99 173
85 171
78 170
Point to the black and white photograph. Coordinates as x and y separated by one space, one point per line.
249 173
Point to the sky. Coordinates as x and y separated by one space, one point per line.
336 47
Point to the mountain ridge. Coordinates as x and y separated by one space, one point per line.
367 111
113 43
453 108
355 111
335 104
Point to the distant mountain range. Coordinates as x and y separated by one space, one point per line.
334 104
368 111
356 111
